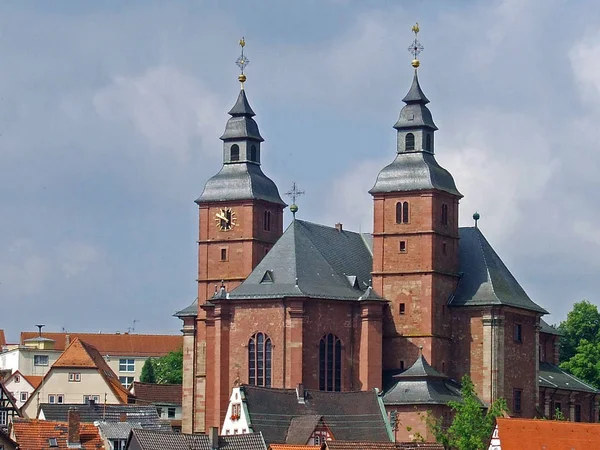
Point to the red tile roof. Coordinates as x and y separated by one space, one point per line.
34 380
157 393
293 447
33 434
80 354
117 344
347 445
547 434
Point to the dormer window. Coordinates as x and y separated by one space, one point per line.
409 141
235 152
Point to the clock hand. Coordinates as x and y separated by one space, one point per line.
222 217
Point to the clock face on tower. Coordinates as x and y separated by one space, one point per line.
225 219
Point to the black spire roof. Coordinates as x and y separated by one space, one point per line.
241 107
241 125
415 113
415 93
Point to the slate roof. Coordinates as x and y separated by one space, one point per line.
92 412
241 125
421 384
485 280
314 261
351 416
552 376
157 393
516 434
301 428
112 344
189 311
155 440
548 329
415 114
121 430
33 434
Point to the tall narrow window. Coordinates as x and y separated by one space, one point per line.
402 212
330 363
428 142
409 142
444 214
517 396
235 152
405 212
259 360
224 254
267 221
253 153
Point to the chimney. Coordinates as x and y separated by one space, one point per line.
67 340
74 439
300 394
339 226
123 417
213 438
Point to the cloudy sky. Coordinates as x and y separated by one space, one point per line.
110 114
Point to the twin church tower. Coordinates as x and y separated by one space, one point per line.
341 311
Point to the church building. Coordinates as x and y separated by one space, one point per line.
408 309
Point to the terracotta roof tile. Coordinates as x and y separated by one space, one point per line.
34 380
547 434
117 344
293 447
346 445
157 393
33 434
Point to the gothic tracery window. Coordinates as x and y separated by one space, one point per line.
259 360
330 363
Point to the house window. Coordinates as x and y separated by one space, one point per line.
235 152
259 360
159 411
330 363
24 396
52 442
236 411
126 381
428 142
17 379
40 360
402 308
171 413
267 221
518 332
56 398
91 398
319 437
126 365
74 377
253 153
444 214
118 444
402 246
409 141
224 254
4 418
577 413
402 212
517 395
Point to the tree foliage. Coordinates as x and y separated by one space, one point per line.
471 426
585 364
165 370
583 322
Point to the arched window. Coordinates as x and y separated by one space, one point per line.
428 142
444 214
409 142
253 153
267 221
402 212
235 152
259 360
330 363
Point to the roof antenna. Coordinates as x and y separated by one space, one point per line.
40 329
476 217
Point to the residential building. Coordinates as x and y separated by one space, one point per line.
21 386
125 353
307 417
34 434
336 310
8 409
516 434
79 375
166 398
155 440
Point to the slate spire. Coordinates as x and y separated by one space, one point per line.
415 93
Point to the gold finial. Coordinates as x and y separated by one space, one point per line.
416 47
242 62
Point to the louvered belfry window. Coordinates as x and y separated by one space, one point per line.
259 360
330 363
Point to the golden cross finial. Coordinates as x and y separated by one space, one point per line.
242 62
416 47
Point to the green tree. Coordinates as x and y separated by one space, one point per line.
169 368
583 322
471 426
148 375
585 364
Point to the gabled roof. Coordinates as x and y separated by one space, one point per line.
81 355
157 393
485 280
352 416
33 434
111 344
33 380
554 377
92 412
156 440
516 434
8 402
301 428
314 261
